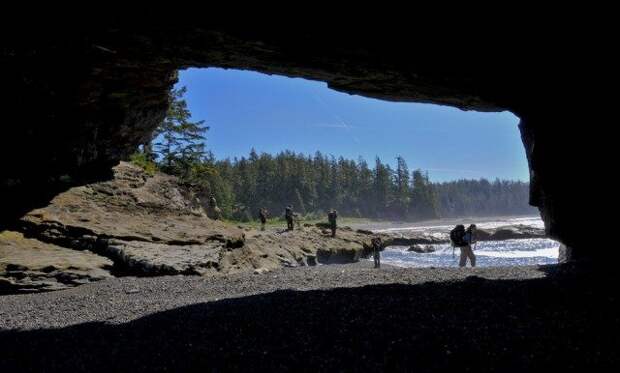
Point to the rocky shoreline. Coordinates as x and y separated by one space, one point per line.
138 224
148 225
509 232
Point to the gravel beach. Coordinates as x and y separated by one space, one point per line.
332 317
128 298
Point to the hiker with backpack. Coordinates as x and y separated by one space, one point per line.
377 245
331 217
289 216
262 215
463 239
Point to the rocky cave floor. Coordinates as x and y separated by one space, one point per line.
334 317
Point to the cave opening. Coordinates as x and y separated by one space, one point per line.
95 110
474 163
82 100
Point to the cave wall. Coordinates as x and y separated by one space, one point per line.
81 100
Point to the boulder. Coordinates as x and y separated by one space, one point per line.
417 239
422 249
338 255
28 265
483 235
514 232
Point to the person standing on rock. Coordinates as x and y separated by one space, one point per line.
262 214
288 215
376 250
213 209
297 220
469 238
331 217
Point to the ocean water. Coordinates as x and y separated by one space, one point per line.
488 253
443 228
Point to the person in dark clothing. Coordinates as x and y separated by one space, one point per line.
332 216
288 214
467 252
262 215
376 251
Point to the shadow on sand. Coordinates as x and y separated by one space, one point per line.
473 325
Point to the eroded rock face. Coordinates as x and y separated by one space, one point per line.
28 265
83 100
148 225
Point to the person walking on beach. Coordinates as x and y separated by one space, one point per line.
332 216
469 238
288 215
262 215
376 251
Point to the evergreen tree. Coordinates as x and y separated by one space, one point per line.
382 188
179 141
402 199
423 197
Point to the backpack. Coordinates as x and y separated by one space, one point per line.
457 236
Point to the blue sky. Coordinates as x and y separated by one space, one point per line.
272 113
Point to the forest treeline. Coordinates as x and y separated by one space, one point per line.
316 183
